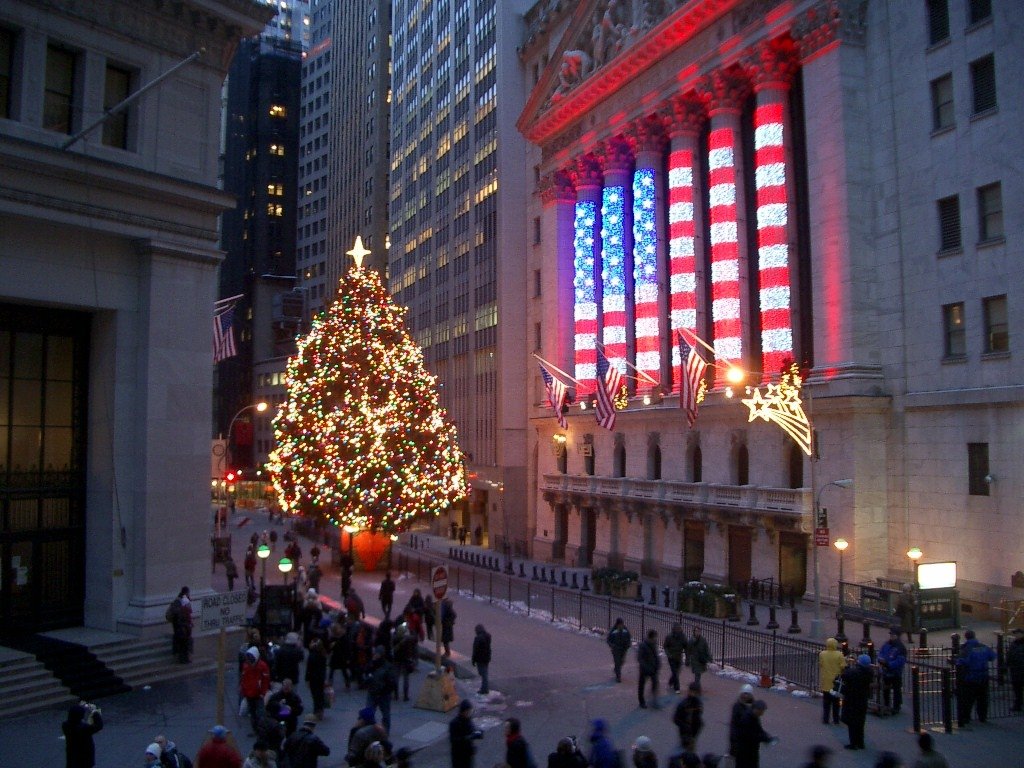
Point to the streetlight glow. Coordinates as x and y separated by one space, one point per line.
915 553
735 375
284 565
263 551
841 544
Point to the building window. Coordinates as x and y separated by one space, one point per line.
742 466
979 10
59 98
6 68
117 88
537 337
277 150
990 212
949 224
536 230
275 209
278 110
796 467
696 465
978 477
983 84
954 330
536 283
942 103
997 329
619 461
654 463
277 190
938 21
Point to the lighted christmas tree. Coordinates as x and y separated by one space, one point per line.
361 438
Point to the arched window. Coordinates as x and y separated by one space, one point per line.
796 467
696 465
654 463
619 468
742 466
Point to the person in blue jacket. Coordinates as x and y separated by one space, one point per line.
972 678
892 658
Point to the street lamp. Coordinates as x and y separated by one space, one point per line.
915 554
816 623
284 565
841 545
259 407
263 552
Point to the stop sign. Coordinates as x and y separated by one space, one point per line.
439 582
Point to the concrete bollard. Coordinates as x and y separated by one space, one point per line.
772 621
654 596
575 583
522 572
535 577
666 595
565 582
794 626
553 580
586 583
752 620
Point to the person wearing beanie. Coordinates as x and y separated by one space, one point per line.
892 657
751 735
972 679
461 735
363 734
739 710
152 755
830 666
481 658
261 756
304 748
219 750
285 706
170 757
254 684
287 660
856 682
567 755
643 753
602 751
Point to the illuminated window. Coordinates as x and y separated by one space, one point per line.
997 328
277 190
954 330
278 110
942 103
275 209
277 149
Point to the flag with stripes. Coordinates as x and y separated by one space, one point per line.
609 379
223 333
556 395
692 367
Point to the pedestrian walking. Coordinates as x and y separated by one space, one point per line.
170 756
429 615
619 640
403 655
448 617
354 605
517 750
972 678
649 663
461 735
219 750
84 720
304 748
481 658
288 659
254 684
567 755
179 613
643 753
310 615
820 755
751 735
689 718
1015 661
740 708
386 595
261 756
151 757
602 750
675 647
380 685
928 758
338 642
364 733
231 571
856 681
249 566
285 706
698 655
830 666
314 574
316 676
892 657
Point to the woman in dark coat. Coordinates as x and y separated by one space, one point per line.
316 675
856 691
83 721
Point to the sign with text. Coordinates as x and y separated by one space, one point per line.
222 610
821 537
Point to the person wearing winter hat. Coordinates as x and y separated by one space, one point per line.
643 753
261 756
363 734
170 757
602 749
481 658
254 684
219 751
739 710
287 659
830 666
303 748
152 755
856 681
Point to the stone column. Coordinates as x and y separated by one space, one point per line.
730 305
686 310
617 256
586 274
558 197
650 272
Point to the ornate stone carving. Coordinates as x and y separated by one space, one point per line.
586 172
773 64
616 154
752 13
830 21
576 65
557 187
647 134
725 90
686 114
565 139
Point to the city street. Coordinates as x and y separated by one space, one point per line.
553 679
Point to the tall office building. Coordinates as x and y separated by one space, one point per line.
824 182
456 258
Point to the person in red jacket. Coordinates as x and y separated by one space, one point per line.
218 751
254 684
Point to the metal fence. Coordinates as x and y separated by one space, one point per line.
757 652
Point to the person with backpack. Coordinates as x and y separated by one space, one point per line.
304 748
170 757
972 678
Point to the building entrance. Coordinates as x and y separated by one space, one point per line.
43 372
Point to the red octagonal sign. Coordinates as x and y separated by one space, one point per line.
439 582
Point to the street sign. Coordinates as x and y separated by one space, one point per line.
821 537
222 610
439 582
822 518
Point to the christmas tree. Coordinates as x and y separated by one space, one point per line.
361 439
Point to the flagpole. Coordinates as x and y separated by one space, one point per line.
556 369
633 367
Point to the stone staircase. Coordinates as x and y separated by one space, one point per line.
26 685
145 662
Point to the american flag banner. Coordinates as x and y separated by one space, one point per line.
556 396
692 367
223 335
609 379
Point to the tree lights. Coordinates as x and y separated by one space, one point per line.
361 439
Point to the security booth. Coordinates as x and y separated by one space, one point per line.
938 599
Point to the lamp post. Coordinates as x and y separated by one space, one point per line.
263 552
285 565
816 623
841 545
259 407
915 554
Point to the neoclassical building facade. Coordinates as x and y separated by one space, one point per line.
771 181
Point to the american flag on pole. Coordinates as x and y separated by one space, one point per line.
556 395
609 379
692 367
223 335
